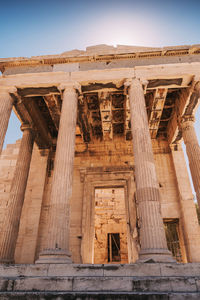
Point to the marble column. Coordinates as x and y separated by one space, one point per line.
57 246
193 151
152 235
6 103
12 216
188 216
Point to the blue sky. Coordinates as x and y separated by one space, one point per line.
29 28
45 27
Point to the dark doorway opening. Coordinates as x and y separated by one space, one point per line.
172 236
114 247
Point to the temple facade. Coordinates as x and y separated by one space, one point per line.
99 175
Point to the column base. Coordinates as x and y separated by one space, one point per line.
6 261
54 256
155 256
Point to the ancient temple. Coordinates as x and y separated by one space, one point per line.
99 177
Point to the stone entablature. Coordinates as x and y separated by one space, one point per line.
100 53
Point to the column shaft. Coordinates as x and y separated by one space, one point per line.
152 234
14 206
57 247
193 151
188 216
6 103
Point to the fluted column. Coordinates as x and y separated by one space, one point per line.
188 217
6 103
12 216
57 246
152 234
193 151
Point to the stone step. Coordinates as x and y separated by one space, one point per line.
98 284
145 281
136 270
97 296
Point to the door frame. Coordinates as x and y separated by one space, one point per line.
107 177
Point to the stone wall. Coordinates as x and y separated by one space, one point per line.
8 161
110 217
33 225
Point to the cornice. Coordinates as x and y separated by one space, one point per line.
98 55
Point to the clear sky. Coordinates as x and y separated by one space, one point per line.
46 27
30 28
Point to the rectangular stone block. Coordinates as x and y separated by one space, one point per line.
75 270
183 285
102 284
35 270
43 284
151 284
197 280
180 269
11 270
66 67
117 284
135 270
87 284
184 296
4 284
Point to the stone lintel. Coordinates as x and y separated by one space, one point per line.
188 71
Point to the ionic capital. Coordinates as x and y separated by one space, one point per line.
186 123
71 85
8 89
128 82
25 126
197 86
176 147
134 82
187 118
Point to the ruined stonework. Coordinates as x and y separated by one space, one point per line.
99 178
110 244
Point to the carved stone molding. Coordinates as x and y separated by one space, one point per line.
106 177
187 118
106 170
25 126
8 89
70 85
129 81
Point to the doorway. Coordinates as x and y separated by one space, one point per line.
172 233
108 179
110 242
114 254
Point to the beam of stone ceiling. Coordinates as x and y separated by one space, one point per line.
156 111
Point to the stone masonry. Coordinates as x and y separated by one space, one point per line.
104 119
110 217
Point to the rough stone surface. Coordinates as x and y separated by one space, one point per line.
6 103
11 220
193 151
42 282
58 231
110 217
153 176
152 236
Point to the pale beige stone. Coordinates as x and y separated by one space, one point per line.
57 245
105 72
152 235
191 229
30 217
12 215
193 151
6 103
